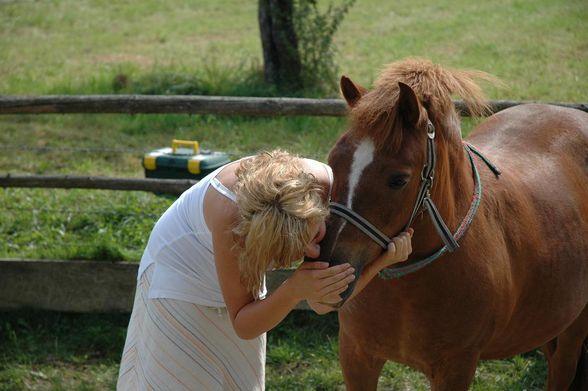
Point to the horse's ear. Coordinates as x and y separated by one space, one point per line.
408 106
351 91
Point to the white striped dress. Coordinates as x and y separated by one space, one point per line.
176 345
180 336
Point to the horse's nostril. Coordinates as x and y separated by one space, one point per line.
347 293
309 259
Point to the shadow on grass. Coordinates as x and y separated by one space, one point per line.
41 350
34 337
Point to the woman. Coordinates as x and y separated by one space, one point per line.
201 310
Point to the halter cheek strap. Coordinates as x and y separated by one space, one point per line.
424 195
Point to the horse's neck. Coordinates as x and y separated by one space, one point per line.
451 193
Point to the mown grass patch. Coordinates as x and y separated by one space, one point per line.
537 46
77 224
56 351
91 224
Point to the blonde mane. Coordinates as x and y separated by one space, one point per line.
375 112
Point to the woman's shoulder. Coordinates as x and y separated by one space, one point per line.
220 210
322 173
315 165
319 169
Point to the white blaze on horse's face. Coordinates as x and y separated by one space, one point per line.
362 157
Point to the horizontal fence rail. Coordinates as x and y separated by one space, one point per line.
195 104
177 104
80 286
163 186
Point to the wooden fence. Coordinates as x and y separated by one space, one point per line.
161 186
82 286
79 286
192 104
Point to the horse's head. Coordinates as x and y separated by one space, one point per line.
379 162
377 167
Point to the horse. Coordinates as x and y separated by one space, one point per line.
500 247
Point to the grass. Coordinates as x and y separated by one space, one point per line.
57 351
94 229
538 47
83 224
53 351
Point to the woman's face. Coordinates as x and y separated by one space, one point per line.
313 249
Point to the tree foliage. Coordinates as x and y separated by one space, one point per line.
298 43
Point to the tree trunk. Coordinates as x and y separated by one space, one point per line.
282 65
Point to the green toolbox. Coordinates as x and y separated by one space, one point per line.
184 160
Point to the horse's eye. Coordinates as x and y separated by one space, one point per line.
397 182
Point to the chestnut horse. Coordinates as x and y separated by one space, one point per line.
517 279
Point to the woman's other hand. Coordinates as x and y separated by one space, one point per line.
322 308
318 282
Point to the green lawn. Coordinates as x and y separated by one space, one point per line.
537 47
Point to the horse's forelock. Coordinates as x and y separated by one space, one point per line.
375 113
430 80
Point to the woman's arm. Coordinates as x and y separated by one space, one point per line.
398 251
250 317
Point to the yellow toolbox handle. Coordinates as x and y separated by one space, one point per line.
185 143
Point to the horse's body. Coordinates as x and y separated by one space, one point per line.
519 279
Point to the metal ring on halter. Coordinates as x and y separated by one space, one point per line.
430 129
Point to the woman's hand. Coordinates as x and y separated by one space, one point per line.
398 250
317 282
321 308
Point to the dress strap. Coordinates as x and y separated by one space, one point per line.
223 189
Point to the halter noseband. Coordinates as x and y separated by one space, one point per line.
423 199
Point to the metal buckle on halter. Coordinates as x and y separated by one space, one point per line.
428 179
430 130
423 171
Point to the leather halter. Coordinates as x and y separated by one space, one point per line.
423 200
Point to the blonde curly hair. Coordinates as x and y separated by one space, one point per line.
278 204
